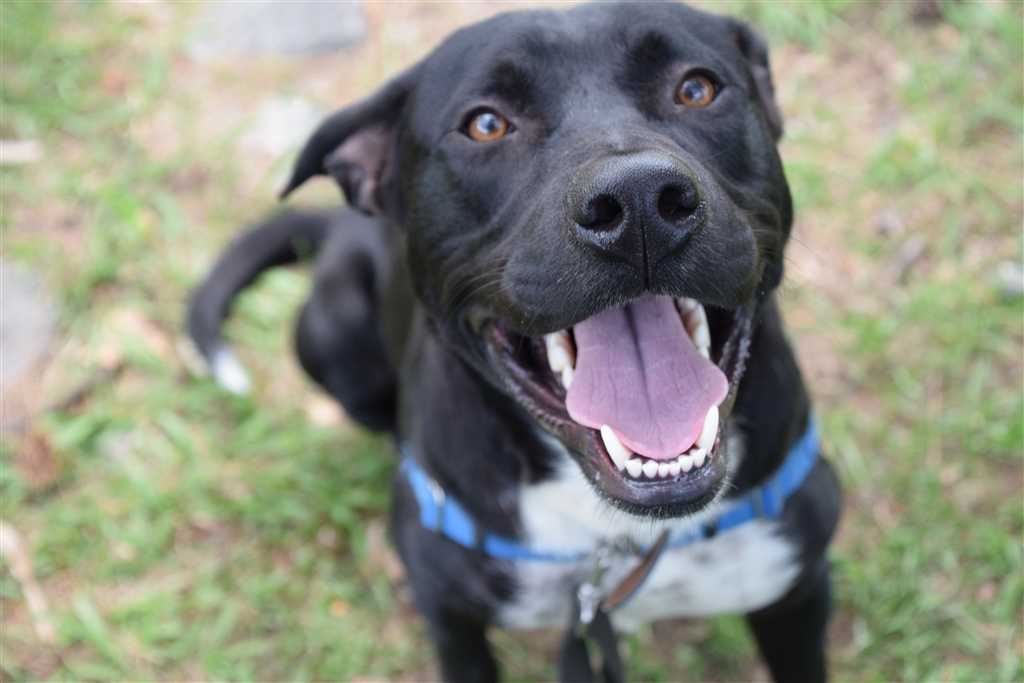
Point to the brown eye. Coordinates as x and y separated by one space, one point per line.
696 91
487 126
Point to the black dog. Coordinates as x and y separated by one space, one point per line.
562 306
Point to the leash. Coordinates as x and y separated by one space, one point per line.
590 615
446 516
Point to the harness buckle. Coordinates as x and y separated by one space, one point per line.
437 493
767 500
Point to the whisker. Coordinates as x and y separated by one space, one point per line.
449 307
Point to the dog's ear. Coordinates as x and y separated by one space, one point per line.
754 49
357 147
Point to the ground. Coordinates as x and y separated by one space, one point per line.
176 532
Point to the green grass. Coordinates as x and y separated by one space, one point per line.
186 534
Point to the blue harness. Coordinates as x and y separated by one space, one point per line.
446 516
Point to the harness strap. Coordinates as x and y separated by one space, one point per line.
446 516
766 500
589 619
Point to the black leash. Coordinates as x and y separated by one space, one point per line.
590 619
574 658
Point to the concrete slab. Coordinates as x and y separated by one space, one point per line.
282 125
27 315
276 27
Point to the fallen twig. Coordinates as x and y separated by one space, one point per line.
18 557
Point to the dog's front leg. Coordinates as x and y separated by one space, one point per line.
462 646
791 633
454 587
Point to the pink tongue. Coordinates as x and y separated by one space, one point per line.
638 372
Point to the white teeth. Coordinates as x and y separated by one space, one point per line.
697 326
561 355
706 440
686 306
637 465
634 467
698 457
685 462
701 334
620 454
695 320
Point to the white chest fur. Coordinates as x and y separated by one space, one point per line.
739 570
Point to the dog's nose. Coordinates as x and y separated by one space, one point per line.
638 207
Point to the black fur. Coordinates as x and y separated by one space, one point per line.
605 187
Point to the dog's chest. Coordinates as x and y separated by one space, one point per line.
740 570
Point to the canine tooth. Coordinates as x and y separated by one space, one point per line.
686 306
558 359
620 454
701 333
663 470
696 323
560 352
702 337
695 315
685 462
650 468
673 468
704 352
706 440
698 456
634 467
567 375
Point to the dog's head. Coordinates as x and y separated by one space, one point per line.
592 206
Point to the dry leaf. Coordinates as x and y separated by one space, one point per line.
35 461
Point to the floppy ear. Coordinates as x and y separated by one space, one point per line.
756 52
357 147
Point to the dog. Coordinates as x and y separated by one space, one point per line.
554 286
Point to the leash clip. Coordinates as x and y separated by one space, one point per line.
590 619
589 593
589 597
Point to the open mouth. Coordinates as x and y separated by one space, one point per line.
638 393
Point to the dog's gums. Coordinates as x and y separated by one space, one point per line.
539 372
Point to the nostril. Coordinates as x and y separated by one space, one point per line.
603 213
676 203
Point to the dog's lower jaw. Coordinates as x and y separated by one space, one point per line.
651 500
589 516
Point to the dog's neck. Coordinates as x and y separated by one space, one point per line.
528 472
